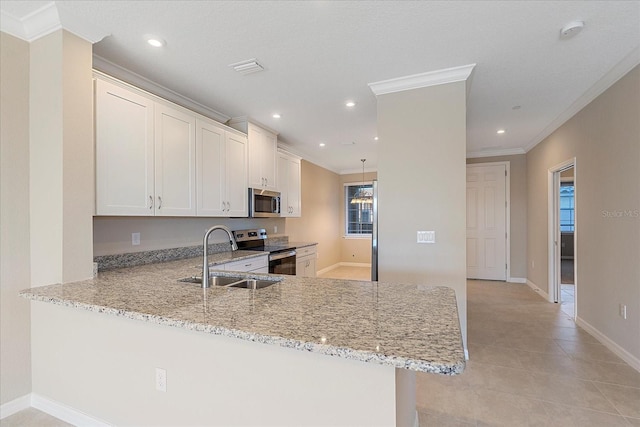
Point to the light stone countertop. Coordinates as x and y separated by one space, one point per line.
405 326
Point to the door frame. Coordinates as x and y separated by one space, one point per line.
553 235
507 190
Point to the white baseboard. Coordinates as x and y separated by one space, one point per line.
633 361
538 290
16 405
355 264
343 264
516 280
466 354
327 269
65 413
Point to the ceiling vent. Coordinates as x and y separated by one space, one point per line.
247 67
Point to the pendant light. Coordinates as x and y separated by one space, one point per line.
362 195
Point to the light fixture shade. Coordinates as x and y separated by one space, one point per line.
362 196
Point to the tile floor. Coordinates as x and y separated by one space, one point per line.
32 417
530 366
349 273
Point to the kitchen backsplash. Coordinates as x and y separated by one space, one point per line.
113 235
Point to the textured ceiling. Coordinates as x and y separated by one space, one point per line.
317 55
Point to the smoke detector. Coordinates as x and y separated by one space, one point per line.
571 29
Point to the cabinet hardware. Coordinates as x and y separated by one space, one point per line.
150 202
160 202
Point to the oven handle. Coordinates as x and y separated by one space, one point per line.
287 254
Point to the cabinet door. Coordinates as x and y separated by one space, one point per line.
124 151
269 159
283 185
236 175
255 135
294 188
301 265
210 169
175 174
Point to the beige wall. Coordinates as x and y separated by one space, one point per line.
61 158
604 138
15 346
320 220
518 195
352 249
422 186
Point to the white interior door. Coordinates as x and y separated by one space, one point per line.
486 222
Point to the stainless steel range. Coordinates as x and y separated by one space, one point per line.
282 258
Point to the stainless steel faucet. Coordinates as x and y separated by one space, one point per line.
205 251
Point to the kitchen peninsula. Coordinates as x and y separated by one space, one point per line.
239 356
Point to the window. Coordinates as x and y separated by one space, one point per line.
359 216
567 207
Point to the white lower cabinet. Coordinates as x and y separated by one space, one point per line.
306 261
254 265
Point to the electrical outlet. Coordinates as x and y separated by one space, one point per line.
135 239
275 229
623 311
161 379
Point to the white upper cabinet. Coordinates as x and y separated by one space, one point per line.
221 171
210 169
124 151
175 161
262 152
289 185
237 188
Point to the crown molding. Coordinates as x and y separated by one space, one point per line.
36 24
495 153
416 81
113 70
46 20
616 73
358 171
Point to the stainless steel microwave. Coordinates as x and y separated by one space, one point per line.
263 203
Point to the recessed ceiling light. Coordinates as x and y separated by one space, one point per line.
322 144
500 131
350 104
375 139
276 116
155 41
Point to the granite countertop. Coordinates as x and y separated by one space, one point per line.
405 326
302 244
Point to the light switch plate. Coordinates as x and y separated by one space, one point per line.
426 237
135 239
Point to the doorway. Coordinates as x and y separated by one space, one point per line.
562 237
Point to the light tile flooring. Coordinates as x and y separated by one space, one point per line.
530 366
32 418
567 297
349 273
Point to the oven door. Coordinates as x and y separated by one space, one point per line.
283 262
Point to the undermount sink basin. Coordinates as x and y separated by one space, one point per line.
232 282
253 284
213 280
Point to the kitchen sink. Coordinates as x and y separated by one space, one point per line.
253 284
231 282
213 280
